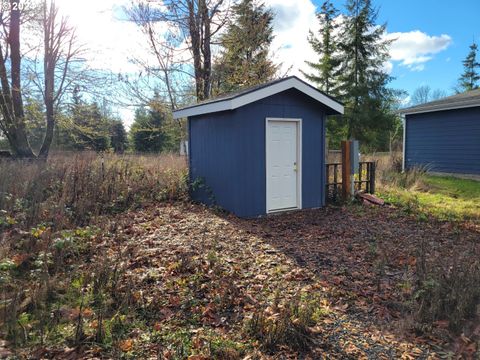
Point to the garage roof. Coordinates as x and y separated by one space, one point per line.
459 101
238 99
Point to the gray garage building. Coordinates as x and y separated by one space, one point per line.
444 135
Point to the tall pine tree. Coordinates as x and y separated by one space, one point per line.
85 128
362 80
323 71
245 60
118 136
471 74
147 133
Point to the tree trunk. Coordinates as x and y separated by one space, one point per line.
49 73
194 29
47 141
207 54
21 147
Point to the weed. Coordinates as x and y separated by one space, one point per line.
70 190
288 325
447 289
225 349
447 199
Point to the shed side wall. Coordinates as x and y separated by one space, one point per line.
444 141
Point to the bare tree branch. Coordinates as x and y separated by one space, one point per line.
195 23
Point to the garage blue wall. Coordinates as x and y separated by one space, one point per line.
444 141
227 151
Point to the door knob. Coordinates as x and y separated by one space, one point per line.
295 166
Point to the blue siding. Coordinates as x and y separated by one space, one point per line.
444 141
227 150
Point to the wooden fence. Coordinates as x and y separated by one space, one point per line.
364 180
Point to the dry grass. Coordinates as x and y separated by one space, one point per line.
54 275
71 189
284 325
448 290
418 192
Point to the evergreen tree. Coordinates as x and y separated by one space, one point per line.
362 81
35 121
91 129
245 59
83 127
174 131
325 46
4 145
471 74
118 136
146 132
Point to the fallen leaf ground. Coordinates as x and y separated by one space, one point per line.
201 274
197 276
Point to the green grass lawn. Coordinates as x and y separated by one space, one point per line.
446 198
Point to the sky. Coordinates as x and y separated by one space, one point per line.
431 37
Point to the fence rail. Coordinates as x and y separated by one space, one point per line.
364 180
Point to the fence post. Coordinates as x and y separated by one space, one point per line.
372 178
335 181
346 169
327 179
360 168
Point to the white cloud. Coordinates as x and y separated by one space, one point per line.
110 41
418 67
113 42
293 20
388 67
415 48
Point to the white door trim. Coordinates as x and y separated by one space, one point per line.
299 162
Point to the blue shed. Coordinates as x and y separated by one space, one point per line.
260 150
444 135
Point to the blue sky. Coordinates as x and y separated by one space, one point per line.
431 38
459 19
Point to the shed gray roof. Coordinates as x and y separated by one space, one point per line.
240 98
459 101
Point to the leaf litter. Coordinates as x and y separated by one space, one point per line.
201 276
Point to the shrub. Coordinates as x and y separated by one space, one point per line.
410 180
73 188
389 171
446 290
288 325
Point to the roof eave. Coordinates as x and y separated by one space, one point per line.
242 100
413 111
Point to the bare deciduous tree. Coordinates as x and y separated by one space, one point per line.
59 51
197 22
424 94
162 47
12 122
421 95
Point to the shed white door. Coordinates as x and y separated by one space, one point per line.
282 165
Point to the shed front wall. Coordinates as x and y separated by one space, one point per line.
444 141
227 152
